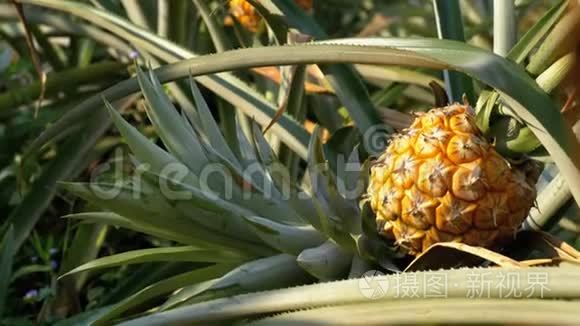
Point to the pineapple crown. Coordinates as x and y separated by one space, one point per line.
235 195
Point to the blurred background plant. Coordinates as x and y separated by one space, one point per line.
50 131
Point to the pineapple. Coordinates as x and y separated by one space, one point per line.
244 13
441 180
248 16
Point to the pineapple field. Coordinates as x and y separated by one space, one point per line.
289 162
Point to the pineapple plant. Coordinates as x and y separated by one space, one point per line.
260 236
265 232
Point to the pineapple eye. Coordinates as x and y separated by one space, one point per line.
454 216
418 210
468 184
431 143
463 149
462 123
491 211
405 171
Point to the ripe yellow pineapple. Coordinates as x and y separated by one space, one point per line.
247 15
441 180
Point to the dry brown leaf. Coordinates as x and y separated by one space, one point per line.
445 255
562 246
310 126
274 75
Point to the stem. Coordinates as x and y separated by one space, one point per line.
504 26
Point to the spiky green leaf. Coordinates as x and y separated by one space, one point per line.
286 238
327 262
168 254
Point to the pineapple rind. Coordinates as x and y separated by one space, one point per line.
441 180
